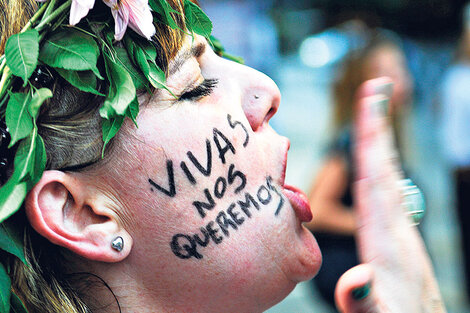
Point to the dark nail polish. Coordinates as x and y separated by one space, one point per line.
361 292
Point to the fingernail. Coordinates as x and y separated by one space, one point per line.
380 106
384 89
361 292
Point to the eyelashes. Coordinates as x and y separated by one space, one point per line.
204 89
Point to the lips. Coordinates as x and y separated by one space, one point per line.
299 201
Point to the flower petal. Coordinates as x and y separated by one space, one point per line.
79 10
121 20
140 17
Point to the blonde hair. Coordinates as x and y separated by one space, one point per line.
352 75
70 125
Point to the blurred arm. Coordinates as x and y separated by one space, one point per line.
329 213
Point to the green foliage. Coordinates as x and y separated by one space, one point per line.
120 95
133 111
18 119
11 238
5 292
220 50
143 54
110 128
30 159
122 57
164 10
16 305
21 52
12 195
71 49
196 20
37 100
121 90
83 80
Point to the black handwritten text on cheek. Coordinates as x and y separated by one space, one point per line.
223 145
186 246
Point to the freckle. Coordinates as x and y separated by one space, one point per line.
151 189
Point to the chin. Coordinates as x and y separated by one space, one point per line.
309 258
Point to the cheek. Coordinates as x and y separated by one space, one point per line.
208 196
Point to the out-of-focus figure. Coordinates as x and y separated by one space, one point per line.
331 197
455 122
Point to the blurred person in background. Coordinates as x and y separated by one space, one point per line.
455 122
331 196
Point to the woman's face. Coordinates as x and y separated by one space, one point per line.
388 60
202 191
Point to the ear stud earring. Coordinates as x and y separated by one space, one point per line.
118 244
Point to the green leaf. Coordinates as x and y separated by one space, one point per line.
197 20
5 285
233 58
216 45
25 158
12 195
157 76
133 111
220 50
83 80
11 238
121 90
164 9
71 50
18 119
122 56
141 61
21 52
37 100
149 50
16 305
110 129
40 159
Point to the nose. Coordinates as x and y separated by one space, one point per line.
260 98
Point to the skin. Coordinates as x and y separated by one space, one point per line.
331 182
394 256
255 266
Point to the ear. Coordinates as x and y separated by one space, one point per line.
68 211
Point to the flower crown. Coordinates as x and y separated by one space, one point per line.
72 48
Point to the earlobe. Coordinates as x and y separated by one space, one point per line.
67 210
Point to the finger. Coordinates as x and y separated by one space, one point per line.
374 136
353 293
376 156
381 85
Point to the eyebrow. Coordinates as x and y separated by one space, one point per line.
195 51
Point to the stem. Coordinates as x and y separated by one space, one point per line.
4 82
50 7
2 66
34 18
54 14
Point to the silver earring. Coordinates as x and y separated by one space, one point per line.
118 244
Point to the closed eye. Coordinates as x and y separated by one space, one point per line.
204 89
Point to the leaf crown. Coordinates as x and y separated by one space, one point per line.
45 42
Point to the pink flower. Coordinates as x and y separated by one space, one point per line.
135 13
79 10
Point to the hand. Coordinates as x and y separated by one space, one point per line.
396 274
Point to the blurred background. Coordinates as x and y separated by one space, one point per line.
304 46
